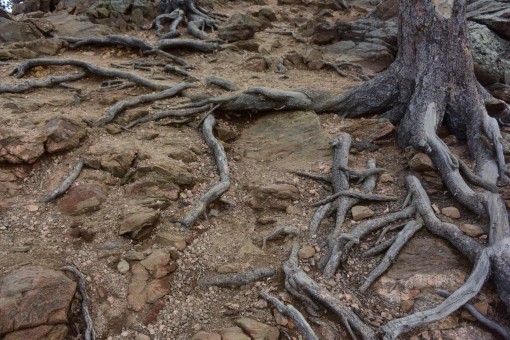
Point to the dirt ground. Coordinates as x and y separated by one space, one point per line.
262 150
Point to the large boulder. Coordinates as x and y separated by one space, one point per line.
21 145
34 303
15 31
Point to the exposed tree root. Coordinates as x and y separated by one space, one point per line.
299 282
280 231
36 83
223 83
405 235
22 68
66 184
239 279
380 248
89 334
354 194
180 71
218 189
166 114
292 313
122 105
505 334
201 46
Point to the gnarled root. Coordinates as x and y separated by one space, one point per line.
239 279
218 189
66 184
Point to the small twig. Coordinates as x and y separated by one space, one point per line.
292 313
238 279
90 334
66 184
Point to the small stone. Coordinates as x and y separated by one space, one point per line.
482 307
306 252
123 266
451 212
360 212
386 178
206 336
421 162
260 304
471 230
280 319
257 330
467 315
214 213
406 305
141 336
134 256
32 207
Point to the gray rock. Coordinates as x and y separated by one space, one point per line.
123 266
15 31
306 252
139 224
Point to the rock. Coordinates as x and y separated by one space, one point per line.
421 162
275 197
424 264
280 319
137 296
156 262
114 157
360 212
134 256
33 297
386 178
15 31
139 224
451 212
168 170
495 20
32 207
228 268
171 239
293 141
50 332
248 248
64 134
257 330
471 230
123 266
21 249
313 58
82 199
31 49
77 26
306 252
406 305
233 333
21 145
206 336
489 54
367 130
467 332
256 65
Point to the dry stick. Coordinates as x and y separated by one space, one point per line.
238 279
167 113
223 83
122 105
381 247
496 327
292 313
170 56
355 194
405 235
279 231
66 184
456 300
218 189
36 83
90 334
324 297
20 70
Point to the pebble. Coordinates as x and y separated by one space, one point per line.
471 230
360 212
32 207
306 252
386 178
21 249
123 266
451 212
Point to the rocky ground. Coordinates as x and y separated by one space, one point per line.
118 222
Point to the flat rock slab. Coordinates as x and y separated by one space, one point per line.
289 140
423 263
34 296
